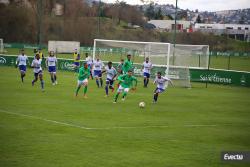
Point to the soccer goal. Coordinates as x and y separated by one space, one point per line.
173 60
1 45
63 46
184 57
191 56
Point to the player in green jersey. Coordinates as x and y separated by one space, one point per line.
126 82
128 64
83 77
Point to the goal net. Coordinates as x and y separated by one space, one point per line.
191 56
173 61
1 45
63 46
184 57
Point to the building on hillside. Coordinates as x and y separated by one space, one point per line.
168 25
236 31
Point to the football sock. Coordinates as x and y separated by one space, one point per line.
85 90
97 83
147 81
116 96
155 97
124 94
101 81
52 79
42 84
106 89
77 90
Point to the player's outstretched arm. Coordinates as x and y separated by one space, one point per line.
171 82
32 65
46 62
103 71
28 62
17 62
120 78
135 80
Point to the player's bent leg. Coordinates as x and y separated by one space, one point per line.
52 77
35 79
22 74
79 84
85 84
144 81
55 78
119 90
101 81
41 79
126 90
85 91
156 93
106 87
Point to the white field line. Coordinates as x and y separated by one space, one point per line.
105 128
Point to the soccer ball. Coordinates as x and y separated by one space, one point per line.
142 104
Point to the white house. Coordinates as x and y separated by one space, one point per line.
168 25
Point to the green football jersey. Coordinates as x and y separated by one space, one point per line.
127 81
83 73
128 65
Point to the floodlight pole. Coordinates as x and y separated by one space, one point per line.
176 1
39 22
99 18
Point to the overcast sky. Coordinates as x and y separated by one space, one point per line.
201 5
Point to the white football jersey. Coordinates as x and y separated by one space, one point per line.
37 64
98 65
147 67
52 61
89 61
161 82
22 59
110 72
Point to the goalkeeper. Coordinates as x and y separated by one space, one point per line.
126 82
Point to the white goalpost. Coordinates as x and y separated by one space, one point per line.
1 45
174 61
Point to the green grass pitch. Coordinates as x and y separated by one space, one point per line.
187 127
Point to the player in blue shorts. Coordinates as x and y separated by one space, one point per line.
161 85
37 65
147 66
51 64
22 61
97 67
111 74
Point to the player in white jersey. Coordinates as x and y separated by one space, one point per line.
22 61
97 67
147 66
161 85
111 74
89 62
51 64
37 65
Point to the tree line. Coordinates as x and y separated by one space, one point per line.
81 21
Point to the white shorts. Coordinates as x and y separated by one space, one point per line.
83 82
120 89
